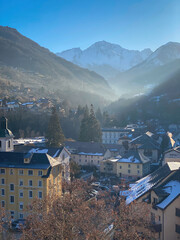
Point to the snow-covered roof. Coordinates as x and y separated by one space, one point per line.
91 154
143 185
28 140
27 103
131 159
173 189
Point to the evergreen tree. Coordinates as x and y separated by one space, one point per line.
94 128
54 133
90 129
99 115
84 126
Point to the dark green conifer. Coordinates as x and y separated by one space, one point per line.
84 126
54 133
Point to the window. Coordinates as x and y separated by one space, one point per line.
30 172
30 194
0 144
92 161
21 193
11 199
159 218
40 173
178 212
2 171
21 205
138 171
137 166
2 181
2 203
155 200
21 182
9 144
11 171
129 165
2 192
21 215
120 167
177 228
21 172
79 160
39 183
148 152
129 171
12 213
40 195
30 183
11 187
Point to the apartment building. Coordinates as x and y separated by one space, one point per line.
161 190
25 176
88 153
132 165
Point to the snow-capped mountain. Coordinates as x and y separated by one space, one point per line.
163 55
105 58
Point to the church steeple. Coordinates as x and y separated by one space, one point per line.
4 122
6 136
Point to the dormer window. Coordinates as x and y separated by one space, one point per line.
9 144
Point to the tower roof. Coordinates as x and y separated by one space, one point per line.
4 131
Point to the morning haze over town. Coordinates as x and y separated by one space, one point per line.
90 120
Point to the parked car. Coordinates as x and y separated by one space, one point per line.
19 224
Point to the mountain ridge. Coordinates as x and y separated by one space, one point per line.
103 53
50 71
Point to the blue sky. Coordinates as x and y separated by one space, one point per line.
62 24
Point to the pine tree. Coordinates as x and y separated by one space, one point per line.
54 133
90 129
99 115
94 128
84 126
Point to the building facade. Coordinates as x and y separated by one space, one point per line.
25 176
132 165
112 135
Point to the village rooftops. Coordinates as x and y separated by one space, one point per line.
146 138
86 148
145 184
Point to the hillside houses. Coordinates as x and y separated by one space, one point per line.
40 104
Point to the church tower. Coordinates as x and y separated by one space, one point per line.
6 137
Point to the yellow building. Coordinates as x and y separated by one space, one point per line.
88 153
131 165
24 176
160 189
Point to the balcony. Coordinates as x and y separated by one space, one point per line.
157 227
154 206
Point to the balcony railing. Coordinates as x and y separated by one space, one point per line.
157 227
